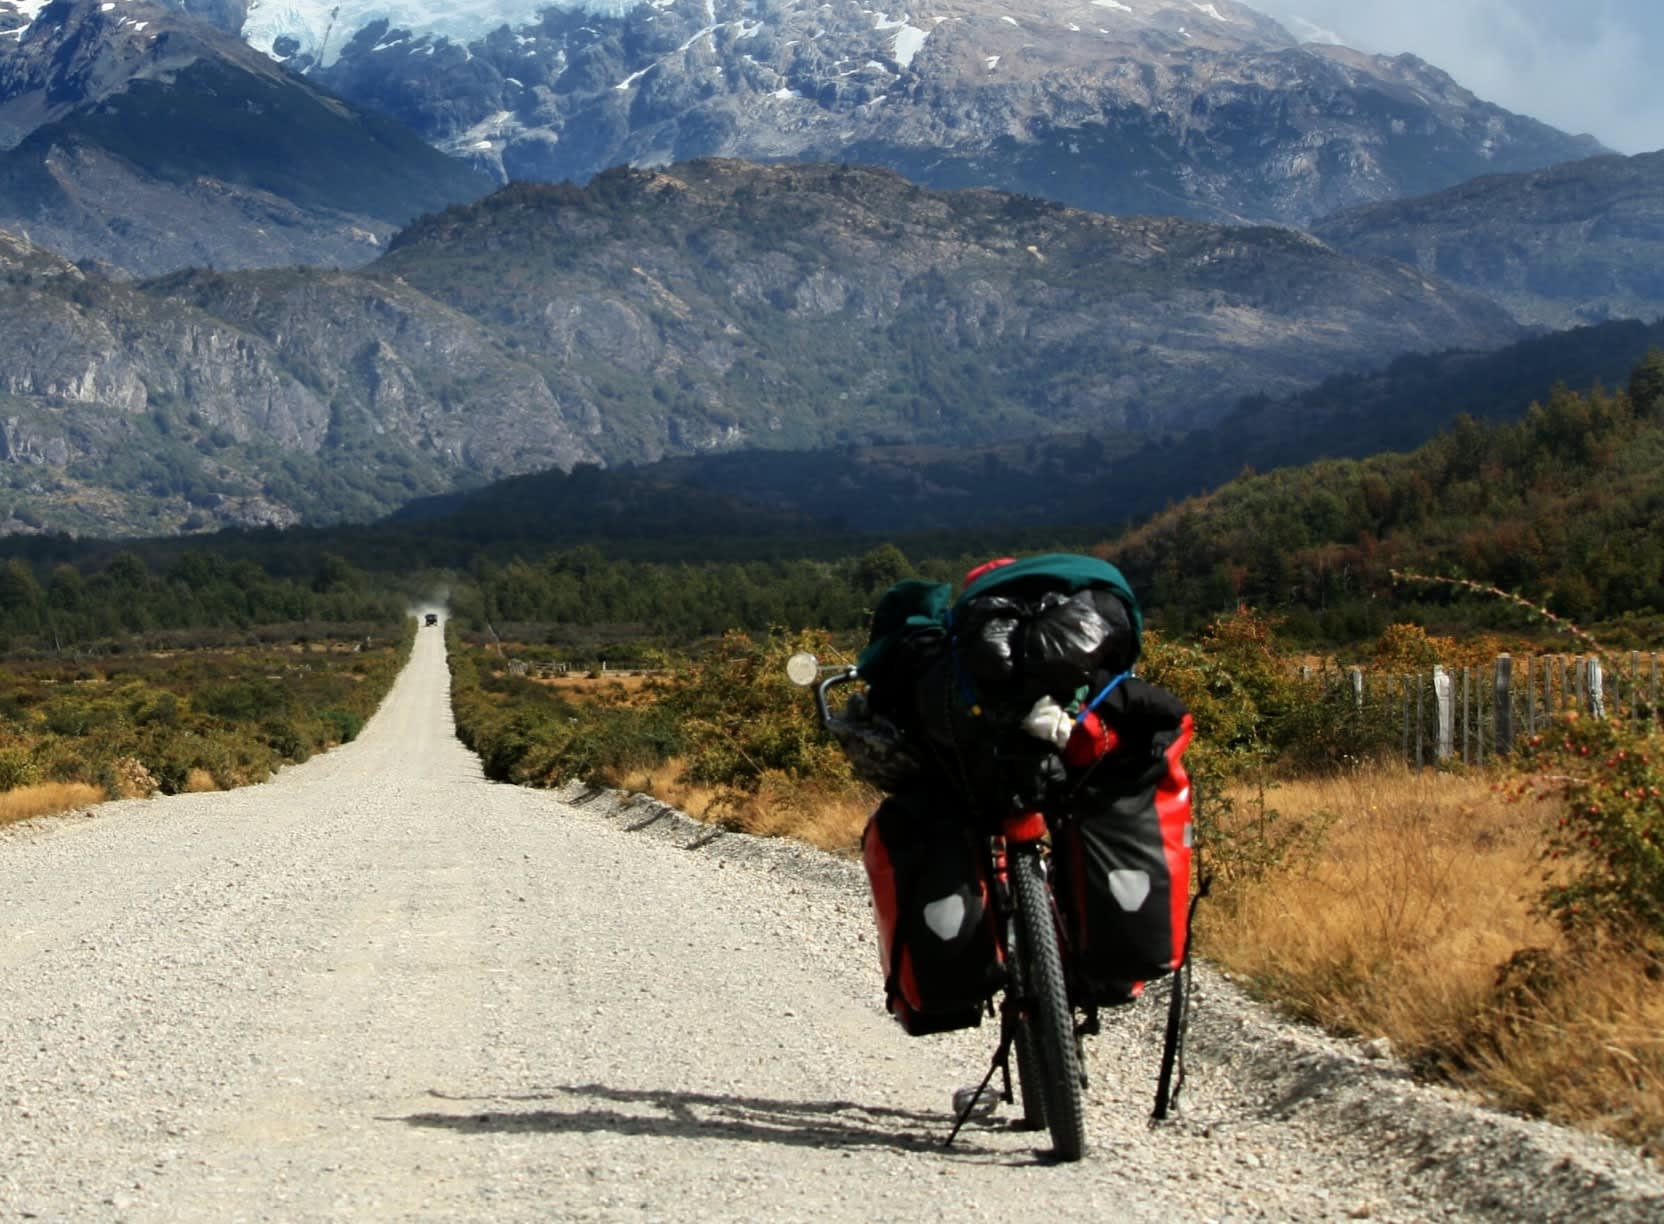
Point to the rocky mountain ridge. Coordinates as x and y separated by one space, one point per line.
1208 110
707 307
1572 244
145 138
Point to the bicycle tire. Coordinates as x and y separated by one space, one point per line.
1024 1039
1049 1013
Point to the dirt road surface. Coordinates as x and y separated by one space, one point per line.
380 987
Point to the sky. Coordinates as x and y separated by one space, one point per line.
1582 65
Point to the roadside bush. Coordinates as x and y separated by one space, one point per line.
286 739
342 725
742 719
17 768
1608 842
528 733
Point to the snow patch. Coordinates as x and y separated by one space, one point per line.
993 62
1009 20
1114 4
907 40
1210 11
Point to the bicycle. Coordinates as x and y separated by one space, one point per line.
1037 1019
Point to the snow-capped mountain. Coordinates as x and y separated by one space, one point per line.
1197 107
146 138
1205 108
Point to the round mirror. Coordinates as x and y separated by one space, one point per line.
802 669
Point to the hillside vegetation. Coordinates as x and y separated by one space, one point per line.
1561 507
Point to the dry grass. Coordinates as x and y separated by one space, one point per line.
1395 924
831 820
1412 919
610 688
198 781
47 799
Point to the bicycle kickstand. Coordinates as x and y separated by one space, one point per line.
1001 1063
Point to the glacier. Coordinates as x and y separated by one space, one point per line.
323 27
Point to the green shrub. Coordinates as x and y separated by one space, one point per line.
286 739
17 768
1609 840
741 719
343 725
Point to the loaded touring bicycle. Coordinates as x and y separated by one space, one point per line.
1031 860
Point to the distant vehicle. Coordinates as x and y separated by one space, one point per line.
432 618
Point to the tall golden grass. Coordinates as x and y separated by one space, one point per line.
46 799
1411 917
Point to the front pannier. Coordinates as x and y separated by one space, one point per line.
1123 850
930 903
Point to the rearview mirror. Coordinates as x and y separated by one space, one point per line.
803 669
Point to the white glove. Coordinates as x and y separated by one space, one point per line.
1047 721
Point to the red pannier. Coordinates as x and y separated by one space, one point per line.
931 905
1122 852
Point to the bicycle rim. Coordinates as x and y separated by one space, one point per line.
1049 1014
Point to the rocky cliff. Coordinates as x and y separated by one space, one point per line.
701 308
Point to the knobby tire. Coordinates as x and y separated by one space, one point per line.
1049 1015
1025 1039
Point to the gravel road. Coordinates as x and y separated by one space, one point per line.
380 987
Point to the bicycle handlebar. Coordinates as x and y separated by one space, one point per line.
825 686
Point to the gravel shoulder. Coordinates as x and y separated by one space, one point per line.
381 987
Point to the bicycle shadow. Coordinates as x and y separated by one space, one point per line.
664 1113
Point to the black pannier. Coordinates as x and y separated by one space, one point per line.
931 906
1122 852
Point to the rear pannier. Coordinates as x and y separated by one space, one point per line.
931 905
1122 852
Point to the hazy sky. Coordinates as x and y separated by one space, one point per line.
1582 65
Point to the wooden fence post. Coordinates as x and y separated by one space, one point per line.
1467 716
1357 688
1503 709
1592 687
1444 695
1635 684
1530 698
1404 722
1421 720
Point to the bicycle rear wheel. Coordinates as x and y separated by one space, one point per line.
1048 1014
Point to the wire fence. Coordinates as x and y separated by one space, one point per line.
1473 713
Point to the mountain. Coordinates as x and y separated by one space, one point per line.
1571 244
143 137
710 307
1100 477
1206 110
